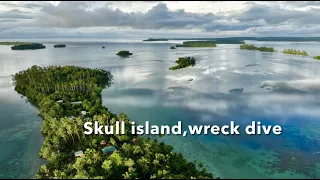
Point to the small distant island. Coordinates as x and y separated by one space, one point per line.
124 53
197 44
59 45
295 52
184 62
252 47
316 57
156 39
172 47
30 46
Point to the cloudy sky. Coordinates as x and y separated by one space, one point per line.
158 19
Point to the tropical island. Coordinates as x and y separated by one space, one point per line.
184 62
156 39
172 47
59 46
252 47
295 52
197 44
124 53
316 57
28 46
69 96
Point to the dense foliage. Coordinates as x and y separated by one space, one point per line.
197 44
184 62
252 47
172 47
52 90
124 53
295 52
316 57
28 46
13 43
59 46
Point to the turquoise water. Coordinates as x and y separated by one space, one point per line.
278 89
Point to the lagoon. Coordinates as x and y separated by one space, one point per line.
277 89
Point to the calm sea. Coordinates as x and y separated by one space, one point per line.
228 84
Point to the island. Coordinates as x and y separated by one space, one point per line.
124 53
156 39
70 154
59 46
31 46
252 47
197 44
242 39
295 52
172 47
316 57
184 62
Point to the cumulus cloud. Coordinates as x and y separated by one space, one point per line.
74 14
14 15
246 18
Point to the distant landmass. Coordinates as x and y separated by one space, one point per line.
239 40
156 39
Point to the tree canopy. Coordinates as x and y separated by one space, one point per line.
197 44
54 90
252 47
124 53
295 52
184 62
27 46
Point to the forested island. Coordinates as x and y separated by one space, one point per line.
316 57
172 47
69 96
59 46
295 52
184 62
156 39
252 47
124 53
30 46
197 44
240 39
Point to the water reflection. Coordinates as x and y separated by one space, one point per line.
275 89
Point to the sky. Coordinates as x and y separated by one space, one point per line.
158 19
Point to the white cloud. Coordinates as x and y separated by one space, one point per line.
203 18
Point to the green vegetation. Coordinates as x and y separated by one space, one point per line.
239 39
295 52
14 43
124 53
172 47
316 57
197 44
59 45
53 89
184 62
252 47
156 39
31 46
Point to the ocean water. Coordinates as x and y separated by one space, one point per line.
228 84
